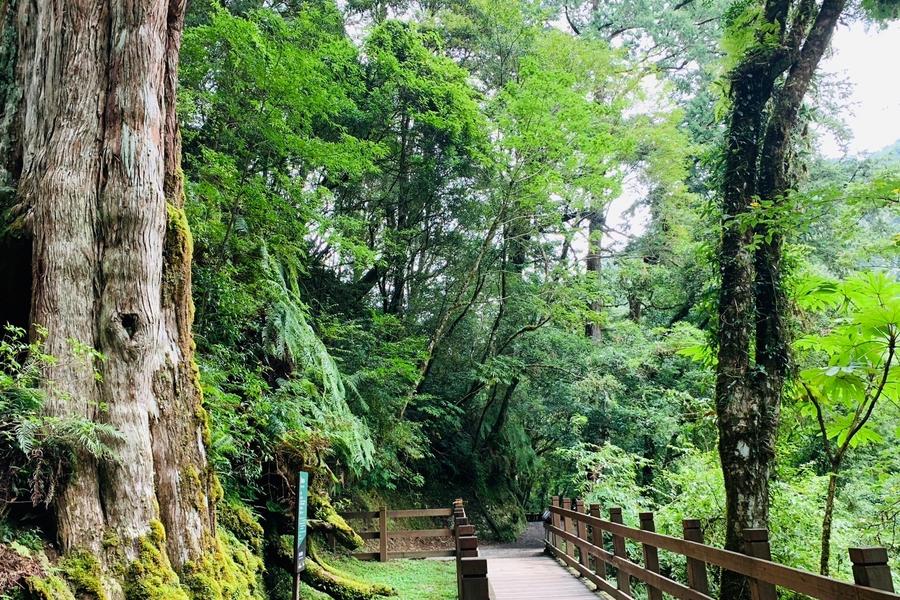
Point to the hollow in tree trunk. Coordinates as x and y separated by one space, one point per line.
93 153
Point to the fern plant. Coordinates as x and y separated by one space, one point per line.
316 394
37 451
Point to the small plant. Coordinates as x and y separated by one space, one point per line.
38 450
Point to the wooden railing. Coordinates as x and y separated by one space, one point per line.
580 537
471 570
383 534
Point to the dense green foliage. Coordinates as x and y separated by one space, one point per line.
390 211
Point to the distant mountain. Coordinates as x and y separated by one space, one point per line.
888 154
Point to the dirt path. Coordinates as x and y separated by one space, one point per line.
530 543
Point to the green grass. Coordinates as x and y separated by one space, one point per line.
413 579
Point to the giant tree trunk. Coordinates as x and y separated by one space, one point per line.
96 165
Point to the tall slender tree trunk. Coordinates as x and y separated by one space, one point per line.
596 222
745 439
828 520
752 301
96 166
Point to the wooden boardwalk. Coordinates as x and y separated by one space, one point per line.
534 578
521 571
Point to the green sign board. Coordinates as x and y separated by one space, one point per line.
300 536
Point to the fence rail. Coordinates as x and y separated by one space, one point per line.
383 534
471 570
578 536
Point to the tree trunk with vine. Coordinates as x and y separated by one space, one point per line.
753 335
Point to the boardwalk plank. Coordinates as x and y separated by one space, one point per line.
534 578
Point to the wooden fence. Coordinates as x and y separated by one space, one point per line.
471 570
383 534
580 537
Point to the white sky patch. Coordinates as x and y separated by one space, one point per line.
867 58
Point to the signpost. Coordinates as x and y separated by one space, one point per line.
300 530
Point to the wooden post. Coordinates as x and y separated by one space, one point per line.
554 519
696 569
473 579
871 569
615 515
582 533
456 533
382 535
566 505
651 554
756 544
597 540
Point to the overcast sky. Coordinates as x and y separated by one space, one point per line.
870 61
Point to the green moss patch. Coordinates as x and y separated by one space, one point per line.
230 572
151 577
83 571
237 518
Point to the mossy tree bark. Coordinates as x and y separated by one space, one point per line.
91 147
753 354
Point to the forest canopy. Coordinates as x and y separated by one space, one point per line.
438 249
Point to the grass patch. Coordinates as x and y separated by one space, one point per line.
413 579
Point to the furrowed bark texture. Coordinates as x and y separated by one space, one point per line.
100 183
753 334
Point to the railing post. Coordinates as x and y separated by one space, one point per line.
756 544
382 535
651 554
458 513
566 505
696 569
871 569
619 549
597 540
473 579
554 520
581 526
471 571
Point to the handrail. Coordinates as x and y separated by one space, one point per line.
383 534
764 573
